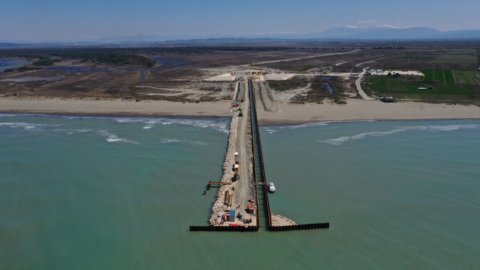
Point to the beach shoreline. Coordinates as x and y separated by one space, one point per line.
288 114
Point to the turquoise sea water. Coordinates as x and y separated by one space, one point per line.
120 193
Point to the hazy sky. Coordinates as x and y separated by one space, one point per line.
63 20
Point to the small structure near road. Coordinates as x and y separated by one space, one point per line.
424 88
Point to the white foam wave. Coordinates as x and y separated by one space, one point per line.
149 122
275 129
82 130
307 125
201 123
270 130
446 128
8 115
195 143
73 131
113 138
25 126
167 140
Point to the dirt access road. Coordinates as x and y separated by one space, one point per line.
244 190
358 83
306 57
264 94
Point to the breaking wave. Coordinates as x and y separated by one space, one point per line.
167 140
194 143
446 128
149 122
275 129
25 126
73 131
200 123
8 115
113 138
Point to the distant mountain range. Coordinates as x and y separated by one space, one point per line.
392 33
342 33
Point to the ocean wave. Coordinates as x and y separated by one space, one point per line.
148 127
113 138
8 115
275 129
200 123
25 126
167 140
81 130
194 143
73 131
149 122
270 130
445 128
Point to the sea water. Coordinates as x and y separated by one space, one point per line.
120 193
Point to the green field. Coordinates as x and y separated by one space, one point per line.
443 76
467 77
407 88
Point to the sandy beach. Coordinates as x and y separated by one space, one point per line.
366 110
113 107
287 114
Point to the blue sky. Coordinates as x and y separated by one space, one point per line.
68 20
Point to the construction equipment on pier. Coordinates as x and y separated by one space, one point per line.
228 198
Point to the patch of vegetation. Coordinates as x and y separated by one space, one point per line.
109 57
211 88
111 91
27 68
434 58
443 76
299 99
417 89
467 77
293 83
305 68
415 58
466 60
323 88
44 62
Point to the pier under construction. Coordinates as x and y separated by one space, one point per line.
242 203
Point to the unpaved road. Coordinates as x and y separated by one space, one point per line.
244 188
364 63
332 74
358 83
266 97
306 57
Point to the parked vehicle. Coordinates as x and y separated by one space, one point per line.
388 99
